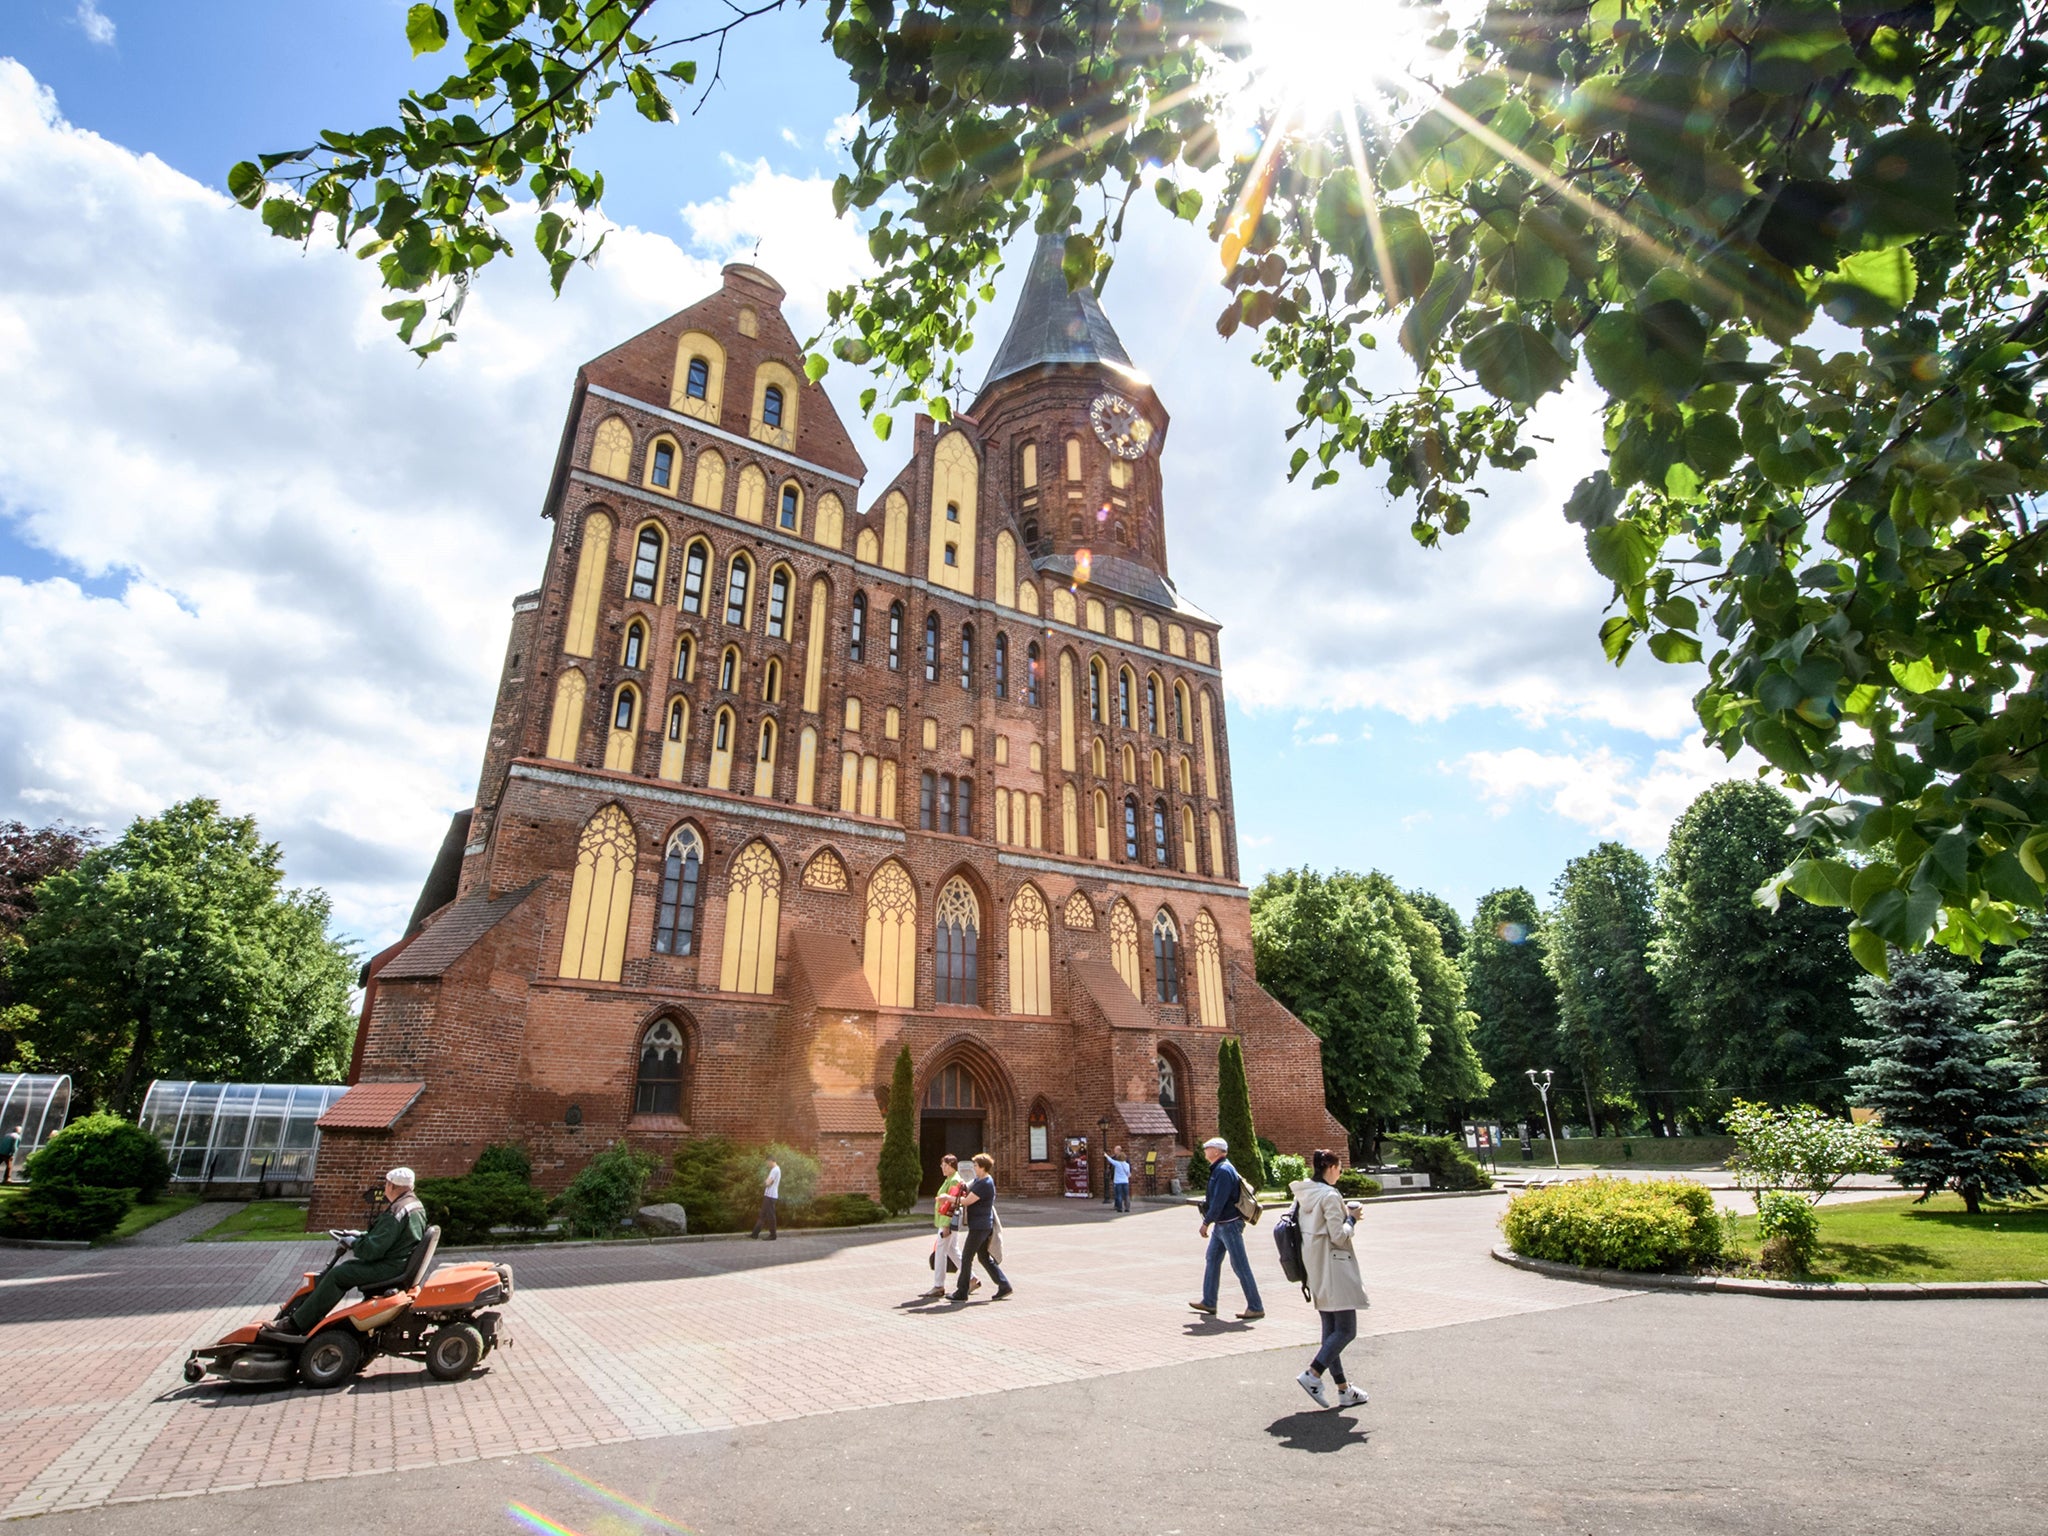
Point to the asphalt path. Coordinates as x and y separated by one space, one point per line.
1650 1414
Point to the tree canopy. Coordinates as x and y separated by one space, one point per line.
1797 247
176 951
1610 1016
1452 1075
1513 997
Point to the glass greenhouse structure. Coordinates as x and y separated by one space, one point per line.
34 1108
218 1133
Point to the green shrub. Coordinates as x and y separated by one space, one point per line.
1354 1185
60 1209
1790 1229
749 1171
901 1169
507 1158
607 1191
700 1182
1284 1168
466 1209
850 1210
1198 1173
105 1152
1443 1158
1662 1224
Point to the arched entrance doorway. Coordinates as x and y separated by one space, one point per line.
953 1118
1175 1083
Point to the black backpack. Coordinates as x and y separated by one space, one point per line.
1287 1238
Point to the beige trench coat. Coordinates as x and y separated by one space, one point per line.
1334 1283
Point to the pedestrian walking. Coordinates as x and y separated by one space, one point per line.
980 1200
1223 1225
771 1193
1120 1178
10 1143
946 1218
1327 1221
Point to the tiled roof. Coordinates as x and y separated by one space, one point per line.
1114 573
832 966
847 1114
450 935
371 1107
1098 978
1147 1120
1053 325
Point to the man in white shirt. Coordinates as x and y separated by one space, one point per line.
771 1191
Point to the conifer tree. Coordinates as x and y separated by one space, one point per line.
1234 1113
1949 1092
2018 991
901 1167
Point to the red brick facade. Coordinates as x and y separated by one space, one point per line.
475 1003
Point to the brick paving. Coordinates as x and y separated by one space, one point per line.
613 1344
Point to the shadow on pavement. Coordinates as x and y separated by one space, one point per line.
1320 1431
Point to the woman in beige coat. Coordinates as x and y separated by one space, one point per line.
1327 1221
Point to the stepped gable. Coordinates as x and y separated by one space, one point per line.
645 367
1055 325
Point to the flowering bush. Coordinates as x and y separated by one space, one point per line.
1789 1229
1661 1224
1800 1148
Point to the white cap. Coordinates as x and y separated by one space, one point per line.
1217 1142
402 1177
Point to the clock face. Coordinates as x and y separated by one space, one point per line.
1123 431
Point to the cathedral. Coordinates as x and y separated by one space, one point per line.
781 780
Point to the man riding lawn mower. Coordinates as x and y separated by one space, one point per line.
440 1321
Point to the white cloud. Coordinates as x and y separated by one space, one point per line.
289 548
97 26
785 224
1608 792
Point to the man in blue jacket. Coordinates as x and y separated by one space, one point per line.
1223 1225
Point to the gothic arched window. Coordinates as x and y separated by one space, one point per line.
778 603
958 936
771 406
658 1090
736 577
1166 957
698 384
1160 853
895 637
1131 828
675 917
966 655
857 638
931 648
1033 678
646 564
695 560
1002 666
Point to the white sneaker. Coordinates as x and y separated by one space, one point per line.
1350 1397
1312 1384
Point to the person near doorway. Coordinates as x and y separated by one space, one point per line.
1120 1178
980 1200
946 1218
771 1193
1335 1287
1223 1225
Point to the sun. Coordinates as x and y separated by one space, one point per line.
1312 60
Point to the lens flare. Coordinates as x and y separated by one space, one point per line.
534 1520
616 1499
1513 933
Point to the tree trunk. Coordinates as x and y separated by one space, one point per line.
126 1085
1971 1194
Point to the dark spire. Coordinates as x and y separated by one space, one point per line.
1055 326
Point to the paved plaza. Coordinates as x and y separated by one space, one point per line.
739 1387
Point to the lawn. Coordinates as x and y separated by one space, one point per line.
260 1221
1623 1152
1895 1240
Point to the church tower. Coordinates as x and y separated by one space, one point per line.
781 782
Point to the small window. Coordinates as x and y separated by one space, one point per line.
676 714
697 384
952 554
771 681
771 406
1041 1135
1131 828
646 565
636 645
658 1088
736 590
857 636
778 604
1123 700
675 919
945 812
1160 853
1095 684
895 637
931 648
952 511
1002 666
966 655
927 790
1034 677
1152 705
694 563
622 712
963 807
792 500
663 473
685 656
722 736
729 669
767 741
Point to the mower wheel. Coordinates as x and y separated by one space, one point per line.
194 1371
453 1352
330 1358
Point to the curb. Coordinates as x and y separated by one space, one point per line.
1932 1290
46 1242
661 1242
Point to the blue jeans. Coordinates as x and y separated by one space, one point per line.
1339 1329
1227 1237
1123 1196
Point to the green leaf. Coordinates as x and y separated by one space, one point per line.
1870 287
1918 676
1670 646
1903 185
884 425
426 29
1432 313
1515 362
1077 261
1823 882
1593 501
1619 354
1408 252
815 365
2004 878
1869 951
1621 552
1616 636
1713 444
2030 856
245 183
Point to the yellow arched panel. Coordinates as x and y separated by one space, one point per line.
675 740
1002 814
896 532
1101 825
1176 640
600 899
956 489
1030 953
618 742
1098 616
1073 458
1062 605
1006 569
1123 946
753 912
697 344
565 725
708 489
1036 829
722 730
1208 748
1067 711
1122 624
1216 865
870 785
588 598
814 646
888 811
867 549
1148 630
611 449
889 951
783 436
849 782
1208 971
1027 598
1188 841
1201 647
829 526
764 760
1070 823
807 766
753 495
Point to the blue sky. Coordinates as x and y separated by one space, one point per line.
309 542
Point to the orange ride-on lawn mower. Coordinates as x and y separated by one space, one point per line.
443 1321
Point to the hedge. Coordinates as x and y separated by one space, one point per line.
1443 1158
1664 1224
58 1209
466 1209
1354 1185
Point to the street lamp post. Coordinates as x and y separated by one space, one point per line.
1544 1089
